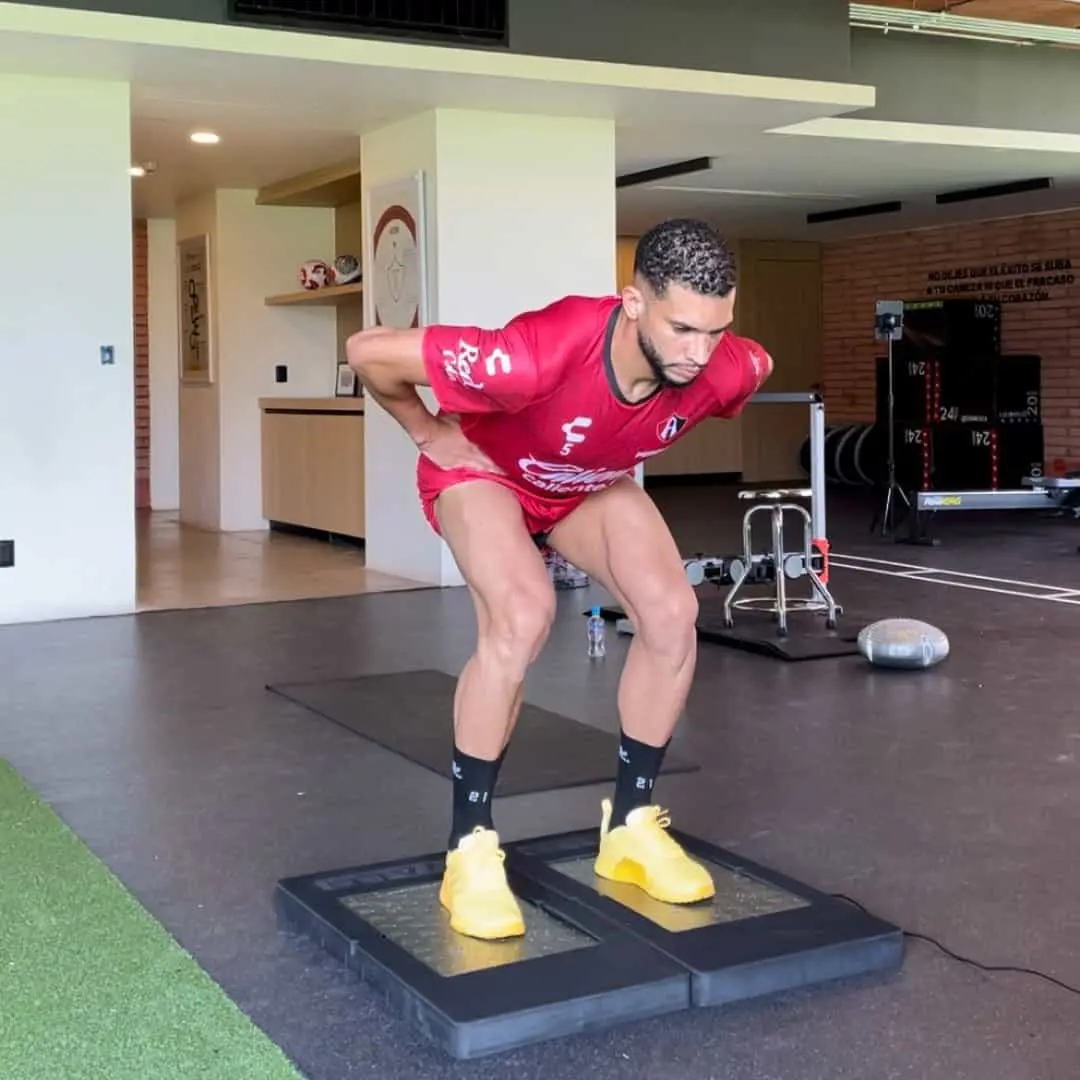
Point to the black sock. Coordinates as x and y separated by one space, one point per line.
474 785
639 765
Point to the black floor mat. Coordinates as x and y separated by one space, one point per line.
411 712
805 640
807 637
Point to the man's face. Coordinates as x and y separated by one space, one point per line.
679 331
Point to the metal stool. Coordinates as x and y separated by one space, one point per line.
793 565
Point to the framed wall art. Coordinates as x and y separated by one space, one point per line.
396 256
193 280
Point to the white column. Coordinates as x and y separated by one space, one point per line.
67 409
520 210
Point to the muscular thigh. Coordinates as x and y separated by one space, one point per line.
619 538
485 529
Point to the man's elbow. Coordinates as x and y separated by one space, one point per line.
362 349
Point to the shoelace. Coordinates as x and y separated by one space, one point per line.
654 830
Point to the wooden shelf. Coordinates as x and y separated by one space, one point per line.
332 294
333 186
312 405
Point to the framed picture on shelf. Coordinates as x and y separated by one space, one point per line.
347 384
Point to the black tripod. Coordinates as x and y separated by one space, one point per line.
889 327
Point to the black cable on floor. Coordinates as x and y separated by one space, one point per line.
966 960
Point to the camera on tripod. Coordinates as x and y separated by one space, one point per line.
889 320
889 326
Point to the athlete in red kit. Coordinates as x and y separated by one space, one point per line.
540 426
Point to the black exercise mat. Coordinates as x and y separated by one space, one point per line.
805 640
411 713
807 637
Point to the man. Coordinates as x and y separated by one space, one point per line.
540 427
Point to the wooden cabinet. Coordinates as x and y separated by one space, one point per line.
313 463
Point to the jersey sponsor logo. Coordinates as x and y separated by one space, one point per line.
667 429
459 366
498 360
574 436
563 478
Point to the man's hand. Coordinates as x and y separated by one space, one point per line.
448 448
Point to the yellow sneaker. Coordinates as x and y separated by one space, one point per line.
641 853
475 890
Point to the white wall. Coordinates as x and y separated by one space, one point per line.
163 320
545 186
67 423
552 196
259 252
399 540
255 252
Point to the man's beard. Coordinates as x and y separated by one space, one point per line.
656 364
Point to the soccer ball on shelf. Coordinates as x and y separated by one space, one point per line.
316 274
319 274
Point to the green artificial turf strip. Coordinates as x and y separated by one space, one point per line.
91 986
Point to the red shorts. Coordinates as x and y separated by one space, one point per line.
541 514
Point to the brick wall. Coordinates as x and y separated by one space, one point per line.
1037 316
142 368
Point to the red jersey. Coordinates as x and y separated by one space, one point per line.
540 398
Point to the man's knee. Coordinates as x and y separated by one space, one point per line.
518 624
666 610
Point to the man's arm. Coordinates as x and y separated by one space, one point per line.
390 364
746 368
469 369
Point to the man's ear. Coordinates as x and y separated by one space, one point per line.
632 301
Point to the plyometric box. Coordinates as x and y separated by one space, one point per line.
595 953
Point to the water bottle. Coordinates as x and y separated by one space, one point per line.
596 634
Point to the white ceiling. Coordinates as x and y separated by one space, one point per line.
306 106
767 186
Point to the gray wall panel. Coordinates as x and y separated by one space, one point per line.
799 38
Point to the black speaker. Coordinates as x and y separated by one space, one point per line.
1018 389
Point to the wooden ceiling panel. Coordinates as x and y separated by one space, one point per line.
1036 12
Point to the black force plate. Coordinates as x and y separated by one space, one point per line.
573 971
762 933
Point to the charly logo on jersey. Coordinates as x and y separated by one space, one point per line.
562 477
459 366
574 431
667 429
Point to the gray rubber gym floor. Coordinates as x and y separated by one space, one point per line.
947 801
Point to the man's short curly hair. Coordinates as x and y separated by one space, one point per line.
685 252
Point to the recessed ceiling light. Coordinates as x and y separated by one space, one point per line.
206 138
137 170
